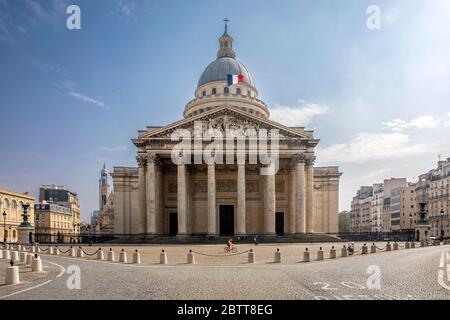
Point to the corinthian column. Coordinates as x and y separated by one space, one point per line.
212 230
310 193
152 193
140 221
292 197
269 210
240 225
182 200
300 214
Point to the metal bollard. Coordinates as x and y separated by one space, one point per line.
33 249
72 252
123 256
306 257
163 257
277 256
251 256
332 253
388 247
364 249
56 251
1 254
110 256
373 248
395 246
190 257
100 254
50 250
12 275
136 257
320 254
36 264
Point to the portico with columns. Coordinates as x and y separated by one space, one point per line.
223 198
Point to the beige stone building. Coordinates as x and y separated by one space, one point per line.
361 212
11 213
53 223
192 198
409 208
62 196
433 188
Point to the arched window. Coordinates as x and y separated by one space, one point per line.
238 91
5 204
14 234
226 90
14 205
214 91
204 93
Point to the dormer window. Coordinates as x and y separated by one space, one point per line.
249 93
204 93
238 91
226 90
214 91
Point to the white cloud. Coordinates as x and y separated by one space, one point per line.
300 115
421 122
126 7
87 99
47 67
118 148
366 147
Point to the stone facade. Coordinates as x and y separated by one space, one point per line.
161 197
62 196
11 213
55 223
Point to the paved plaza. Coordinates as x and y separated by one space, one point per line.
404 274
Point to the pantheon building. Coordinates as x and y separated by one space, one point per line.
160 198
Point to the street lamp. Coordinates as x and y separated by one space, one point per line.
9 233
410 222
442 224
4 227
36 238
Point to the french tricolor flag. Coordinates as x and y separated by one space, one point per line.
234 79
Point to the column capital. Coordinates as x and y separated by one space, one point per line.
153 158
310 159
141 160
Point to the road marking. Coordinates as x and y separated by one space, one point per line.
25 290
441 272
63 270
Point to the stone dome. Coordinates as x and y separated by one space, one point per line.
219 69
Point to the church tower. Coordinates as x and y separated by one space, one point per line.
104 188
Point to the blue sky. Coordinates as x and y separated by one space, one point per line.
379 100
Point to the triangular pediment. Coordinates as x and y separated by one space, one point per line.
227 117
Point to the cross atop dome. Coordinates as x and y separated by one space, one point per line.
226 43
226 20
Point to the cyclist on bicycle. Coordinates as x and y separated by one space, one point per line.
230 244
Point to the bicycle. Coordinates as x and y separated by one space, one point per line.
228 250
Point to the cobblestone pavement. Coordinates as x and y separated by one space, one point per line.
404 274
